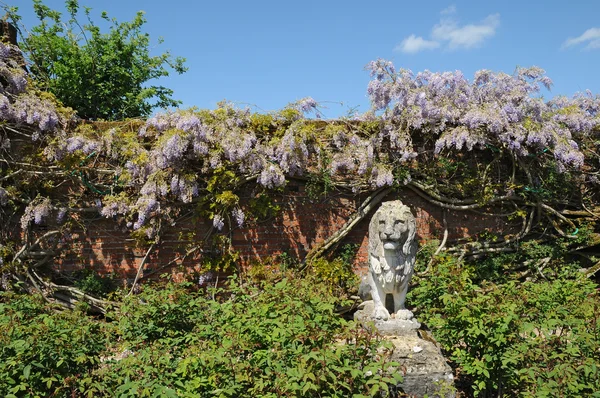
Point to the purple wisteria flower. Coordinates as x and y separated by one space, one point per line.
184 187
60 217
306 105
292 153
145 207
381 176
114 206
239 216
185 121
271 177
30 109
36 211
498 109
218 222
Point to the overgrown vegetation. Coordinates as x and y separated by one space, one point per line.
515 310
279 339
518 334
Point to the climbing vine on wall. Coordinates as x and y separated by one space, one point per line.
461 144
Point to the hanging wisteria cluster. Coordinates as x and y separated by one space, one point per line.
495 109
20 106
26 111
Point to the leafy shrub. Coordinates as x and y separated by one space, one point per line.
337 274
273 339
516 339
42 352
92 283
280 339
159 313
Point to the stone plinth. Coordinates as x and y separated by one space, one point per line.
424 368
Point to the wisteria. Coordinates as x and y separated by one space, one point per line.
60 216
307 105
145 206
184 187
382 176
18 105
495 109
171 151
356 155
239 216
218 222
188 157
113 206
271 177
83 144
36 211
292 154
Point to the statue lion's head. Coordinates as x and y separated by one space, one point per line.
392 227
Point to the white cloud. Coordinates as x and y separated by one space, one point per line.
591 36
413 44
454 36
467 36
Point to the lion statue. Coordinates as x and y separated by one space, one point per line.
392 251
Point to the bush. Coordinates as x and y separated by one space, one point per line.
277 339
517 339
283 339
100 75
44 353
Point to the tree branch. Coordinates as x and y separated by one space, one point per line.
360 213
139 271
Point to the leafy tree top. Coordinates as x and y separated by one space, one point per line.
107 75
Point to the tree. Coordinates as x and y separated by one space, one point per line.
100 75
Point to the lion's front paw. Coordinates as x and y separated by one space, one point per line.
380 312
404 314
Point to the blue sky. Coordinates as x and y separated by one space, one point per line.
267 53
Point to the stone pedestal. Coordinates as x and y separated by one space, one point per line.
424 368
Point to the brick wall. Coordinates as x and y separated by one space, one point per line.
295 229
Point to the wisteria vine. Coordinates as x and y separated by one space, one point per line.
180 157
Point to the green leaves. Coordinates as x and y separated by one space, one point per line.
42 350
100 75
281 339
521 338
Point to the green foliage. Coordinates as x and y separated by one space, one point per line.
43 353
319 184
100 75
156 314
547 258
262 206
276 339
337 274
223 257
89 281
517 339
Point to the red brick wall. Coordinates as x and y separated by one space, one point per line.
299 226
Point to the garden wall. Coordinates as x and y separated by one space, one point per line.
298 226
